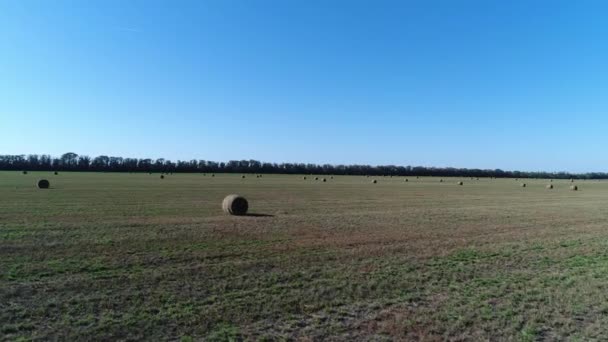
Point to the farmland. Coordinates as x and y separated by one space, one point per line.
132 256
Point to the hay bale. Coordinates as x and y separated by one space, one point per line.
374 181
316 178
523 185
304 178
324 180
213 175
235 205
549 186
162 176
573 187
441 181
56 173
243 176
460 183
43 184
331 177
25 172
406 180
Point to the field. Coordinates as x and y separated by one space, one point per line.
120 256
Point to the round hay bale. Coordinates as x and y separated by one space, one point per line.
304 178
441 181
235 205
243 176
331 177
25 172
213 175
549 186
460 183
56 173
523 185
574 188
406 180
162 176
43 184
316 178
324 180
374 181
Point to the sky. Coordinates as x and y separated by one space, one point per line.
515 85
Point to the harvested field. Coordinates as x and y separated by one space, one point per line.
121 256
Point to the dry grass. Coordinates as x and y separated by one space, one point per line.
124 257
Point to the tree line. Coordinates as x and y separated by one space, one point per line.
73 162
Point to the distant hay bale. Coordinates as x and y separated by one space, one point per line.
213 175
304 178
549 186
441 181
243 176
331 177
316 178
374 181
25 172
406 180
574 188
162 176
56 173
324 180
460 183
523 185
235 205
43 184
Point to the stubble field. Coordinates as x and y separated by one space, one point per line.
118 256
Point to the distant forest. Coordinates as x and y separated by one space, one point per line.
74 162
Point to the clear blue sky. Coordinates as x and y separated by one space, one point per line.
487 84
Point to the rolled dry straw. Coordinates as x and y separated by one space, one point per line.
374 181
25 172
43 184
162 177
325 180
460 183
56 173
316 178
304 178
574 188
441 181
549 186
406 180
235 205
213 175
523 185
243 176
